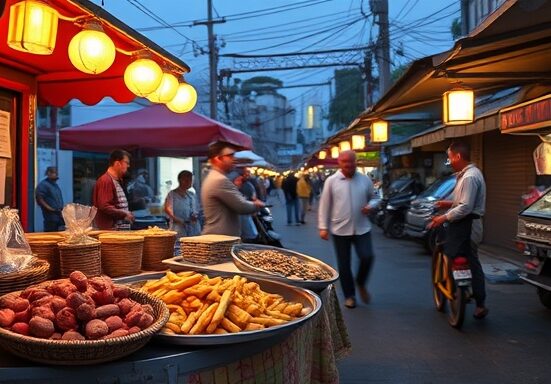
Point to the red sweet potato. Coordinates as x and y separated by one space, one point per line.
41 327
21 328
96 329
114 323
86 312
107 310
7 316
117 333
72 335
66 319
44 312
79 280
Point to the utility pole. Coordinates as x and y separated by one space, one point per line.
379 8
213 58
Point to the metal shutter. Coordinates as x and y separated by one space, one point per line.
508 171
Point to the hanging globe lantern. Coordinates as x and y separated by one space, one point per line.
166 90
91 50
32 27
143 76
185 99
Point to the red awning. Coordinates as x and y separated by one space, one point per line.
155 131
58 80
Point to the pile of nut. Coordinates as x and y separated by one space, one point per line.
76 308
284 264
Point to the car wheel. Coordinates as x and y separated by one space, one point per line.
545 297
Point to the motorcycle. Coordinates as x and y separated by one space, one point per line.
263 221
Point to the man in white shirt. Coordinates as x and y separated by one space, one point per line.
345 202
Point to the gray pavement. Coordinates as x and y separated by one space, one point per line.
400 338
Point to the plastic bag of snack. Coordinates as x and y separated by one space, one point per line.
78 223
15 252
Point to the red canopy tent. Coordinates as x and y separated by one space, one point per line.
155 131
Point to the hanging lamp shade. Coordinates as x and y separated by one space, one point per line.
458 106
143 76
334 152
322 155
32 27
185 99
91 50
344 146
379 131
358 142
166 90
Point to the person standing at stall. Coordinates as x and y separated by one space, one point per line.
345 202
182 208
49 198
109 197
464 232
222 202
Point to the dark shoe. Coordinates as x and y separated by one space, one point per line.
350 302
303 222
364 294
480 313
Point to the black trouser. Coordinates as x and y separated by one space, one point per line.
458 243
364 250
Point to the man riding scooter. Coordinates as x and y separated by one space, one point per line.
464 213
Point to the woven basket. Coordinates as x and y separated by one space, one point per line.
36 272
44 245
95 233
121 254
76 352
207 249
80 257
157 246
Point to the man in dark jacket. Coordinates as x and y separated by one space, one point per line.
49 198
289 188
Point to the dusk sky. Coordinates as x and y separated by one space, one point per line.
417 28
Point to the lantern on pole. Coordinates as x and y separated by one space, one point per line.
91 50
458 106
379 131
32 27
358 142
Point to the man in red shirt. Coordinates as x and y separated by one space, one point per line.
109 197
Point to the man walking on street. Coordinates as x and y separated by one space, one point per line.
109 197
289 187
464 232
49 198
345 202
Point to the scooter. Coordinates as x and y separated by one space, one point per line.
395 214
263 221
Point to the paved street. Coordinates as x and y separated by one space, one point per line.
400 338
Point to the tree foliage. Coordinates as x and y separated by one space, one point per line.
455 28
348 101
260 84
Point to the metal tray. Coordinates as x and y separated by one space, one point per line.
308 299
314 285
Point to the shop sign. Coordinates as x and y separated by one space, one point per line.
527 116
374 155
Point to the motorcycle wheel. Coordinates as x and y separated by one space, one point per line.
437 295
394 227
430 242
545 297
456 314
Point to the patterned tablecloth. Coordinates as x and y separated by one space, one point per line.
308 355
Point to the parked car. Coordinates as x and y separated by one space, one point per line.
422 209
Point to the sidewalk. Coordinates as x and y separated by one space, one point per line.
500 265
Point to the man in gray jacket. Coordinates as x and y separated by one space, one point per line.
222 201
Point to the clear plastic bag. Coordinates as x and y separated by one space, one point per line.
78 223
15 252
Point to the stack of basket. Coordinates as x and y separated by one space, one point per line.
44 246
35 272
84 257
207 249
121 253
158 245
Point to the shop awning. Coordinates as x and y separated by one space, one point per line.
512 47
59 81
155 131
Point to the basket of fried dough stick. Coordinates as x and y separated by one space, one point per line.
218 309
